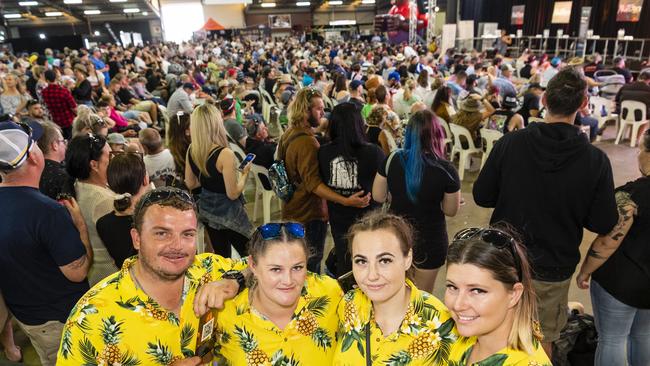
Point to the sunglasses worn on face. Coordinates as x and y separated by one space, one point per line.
496 238
273 230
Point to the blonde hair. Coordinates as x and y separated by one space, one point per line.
207 131
300 108
85 120
408 90
377 116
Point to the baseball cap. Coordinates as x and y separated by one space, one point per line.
116 139
286 95
507 67
394 76
16 141
227 105
355 84
555 61
188 86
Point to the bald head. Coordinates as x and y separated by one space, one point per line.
150 140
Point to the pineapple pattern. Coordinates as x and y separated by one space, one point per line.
115 323
462 350
246 337
425 336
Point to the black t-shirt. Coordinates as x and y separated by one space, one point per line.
525 71
115 232
125 96
83 92
626 274
438 177
347 177
37 236
114 67
263 151
531 101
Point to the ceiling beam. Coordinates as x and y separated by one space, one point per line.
76 14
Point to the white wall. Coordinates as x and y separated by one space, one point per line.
228 15
180 18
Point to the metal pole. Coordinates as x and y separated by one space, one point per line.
413 21
431 36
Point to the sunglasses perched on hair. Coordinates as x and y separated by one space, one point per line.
113 154
96 144
165 193
274 230
496 238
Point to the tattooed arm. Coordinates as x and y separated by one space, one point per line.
605 245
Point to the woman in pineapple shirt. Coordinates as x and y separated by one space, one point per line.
288 316
387 320
491 298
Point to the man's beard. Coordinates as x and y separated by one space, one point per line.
158 272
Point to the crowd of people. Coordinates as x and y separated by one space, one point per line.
114 160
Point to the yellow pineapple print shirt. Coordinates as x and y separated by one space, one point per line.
247 338
116 323
425 336
506 357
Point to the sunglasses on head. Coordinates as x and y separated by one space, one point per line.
165 193
274 230
496 238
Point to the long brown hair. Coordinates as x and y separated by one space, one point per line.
502 264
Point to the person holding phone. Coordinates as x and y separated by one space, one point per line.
212 165
491 298
287 315
387 320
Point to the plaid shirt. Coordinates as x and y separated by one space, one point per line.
60 103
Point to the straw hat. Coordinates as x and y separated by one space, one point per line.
470 105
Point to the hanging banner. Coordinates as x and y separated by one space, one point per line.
585 14
518 15
629 10
562 12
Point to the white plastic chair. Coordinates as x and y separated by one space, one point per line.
263 192
490 136
464 154
448 137
596 106
239 152
267 103
535 119
628 119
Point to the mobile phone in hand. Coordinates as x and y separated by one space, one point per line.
206 336
347 282
247 159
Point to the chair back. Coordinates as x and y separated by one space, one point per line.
457 131
596 105
490 136
262 177
239 153
633 111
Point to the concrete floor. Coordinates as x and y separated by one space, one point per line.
624 164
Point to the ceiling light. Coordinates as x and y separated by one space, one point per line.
41 36
53 14
367 2
303 3
72 1
268 5
92 12
131 10
336 2
97 33
343 22
28 3
117 1
13 16
145 13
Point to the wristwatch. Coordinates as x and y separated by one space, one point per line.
237 276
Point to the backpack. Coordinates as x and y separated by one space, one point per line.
278 176
577 343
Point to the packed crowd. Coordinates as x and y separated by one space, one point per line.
114 161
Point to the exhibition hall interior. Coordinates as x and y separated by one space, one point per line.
324 182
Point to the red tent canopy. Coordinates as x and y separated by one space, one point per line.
212 25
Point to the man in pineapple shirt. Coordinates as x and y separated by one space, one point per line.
145 314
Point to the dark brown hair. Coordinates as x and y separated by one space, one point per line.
378 220
126 174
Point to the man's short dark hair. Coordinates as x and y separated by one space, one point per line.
645 75
565 92
50 76
164 196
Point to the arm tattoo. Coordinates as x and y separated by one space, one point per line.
626 208
594 253
78 263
